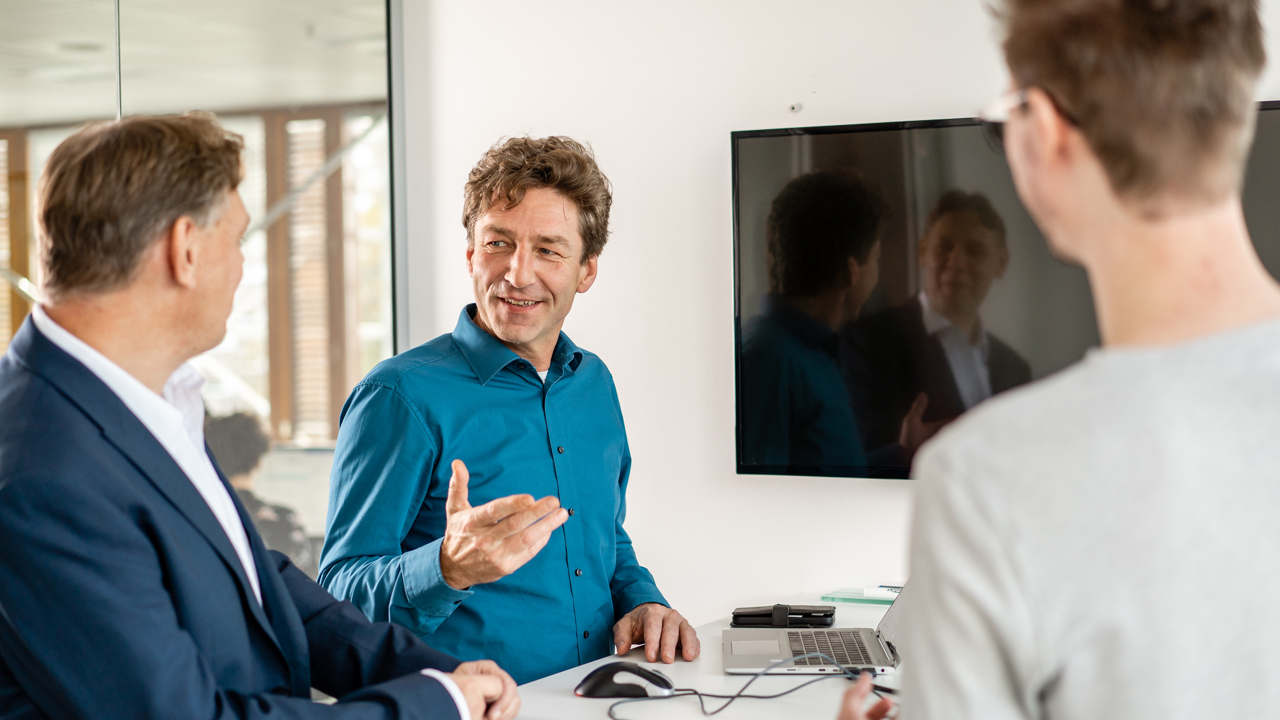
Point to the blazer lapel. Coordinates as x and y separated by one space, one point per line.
127 433
935 375
281 613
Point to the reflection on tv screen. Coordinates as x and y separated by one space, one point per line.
888 281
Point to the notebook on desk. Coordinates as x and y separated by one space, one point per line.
748 651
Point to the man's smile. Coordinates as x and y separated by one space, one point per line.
515 302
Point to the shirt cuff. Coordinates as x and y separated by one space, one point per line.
424 584
635 595
455 692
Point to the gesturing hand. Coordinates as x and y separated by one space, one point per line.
855 700
490 542
915 431
661 629
490 692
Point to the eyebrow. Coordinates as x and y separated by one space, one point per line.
552 239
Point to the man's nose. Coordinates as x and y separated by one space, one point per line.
520 270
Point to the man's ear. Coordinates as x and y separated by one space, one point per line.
471 250
183 251
1050 131
1004 261
855 271
590 267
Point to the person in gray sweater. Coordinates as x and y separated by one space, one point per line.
1104 543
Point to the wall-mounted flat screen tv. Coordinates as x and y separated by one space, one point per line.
888 280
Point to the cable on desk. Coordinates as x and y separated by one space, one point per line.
690 692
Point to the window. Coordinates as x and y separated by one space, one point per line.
305 85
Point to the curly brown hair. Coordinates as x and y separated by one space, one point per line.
511 168
1161 89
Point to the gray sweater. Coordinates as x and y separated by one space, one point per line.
1105 543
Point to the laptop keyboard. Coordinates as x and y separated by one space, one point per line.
845 646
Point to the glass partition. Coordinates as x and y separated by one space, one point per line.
305 85
58 69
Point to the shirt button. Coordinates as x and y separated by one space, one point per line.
560 449
578 572
570 512
586 634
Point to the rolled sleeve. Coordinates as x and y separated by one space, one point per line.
424 583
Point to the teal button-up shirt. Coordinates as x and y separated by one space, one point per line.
467 396
796 415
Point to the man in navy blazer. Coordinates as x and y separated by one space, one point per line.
132 582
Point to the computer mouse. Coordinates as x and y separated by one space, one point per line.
622 680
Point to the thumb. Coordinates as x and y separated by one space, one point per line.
623 635
457 500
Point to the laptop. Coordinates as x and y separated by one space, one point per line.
748 651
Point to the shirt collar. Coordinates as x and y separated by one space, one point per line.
935 322
180 407
487 355
797 322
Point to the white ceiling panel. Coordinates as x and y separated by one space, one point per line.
57 57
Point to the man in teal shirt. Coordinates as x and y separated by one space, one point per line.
823 236
504 408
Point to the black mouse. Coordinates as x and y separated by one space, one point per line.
622 680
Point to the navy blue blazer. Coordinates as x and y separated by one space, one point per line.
125 599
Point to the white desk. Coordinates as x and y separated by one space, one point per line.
552 698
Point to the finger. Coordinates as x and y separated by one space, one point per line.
623 634
495 511
881 710
670 635
652 635
689 642
855 698
523 547
518 521
918 406
457 500
508 704
490 687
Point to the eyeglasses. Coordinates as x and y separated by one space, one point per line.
994 116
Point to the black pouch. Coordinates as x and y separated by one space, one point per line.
782 616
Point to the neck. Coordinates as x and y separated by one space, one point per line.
128 330
827 308
1178 277
965 320
538 352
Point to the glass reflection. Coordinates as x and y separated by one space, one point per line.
889 281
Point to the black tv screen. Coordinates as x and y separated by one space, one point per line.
951 296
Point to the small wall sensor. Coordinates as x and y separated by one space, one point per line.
796 107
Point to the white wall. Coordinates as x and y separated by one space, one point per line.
656 87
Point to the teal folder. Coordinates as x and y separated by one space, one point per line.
854 595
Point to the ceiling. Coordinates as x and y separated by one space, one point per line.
57 57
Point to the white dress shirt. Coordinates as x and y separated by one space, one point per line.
176 420
968 360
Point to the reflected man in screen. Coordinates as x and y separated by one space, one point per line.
824 259
931 357
463 553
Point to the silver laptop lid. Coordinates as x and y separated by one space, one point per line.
890 627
